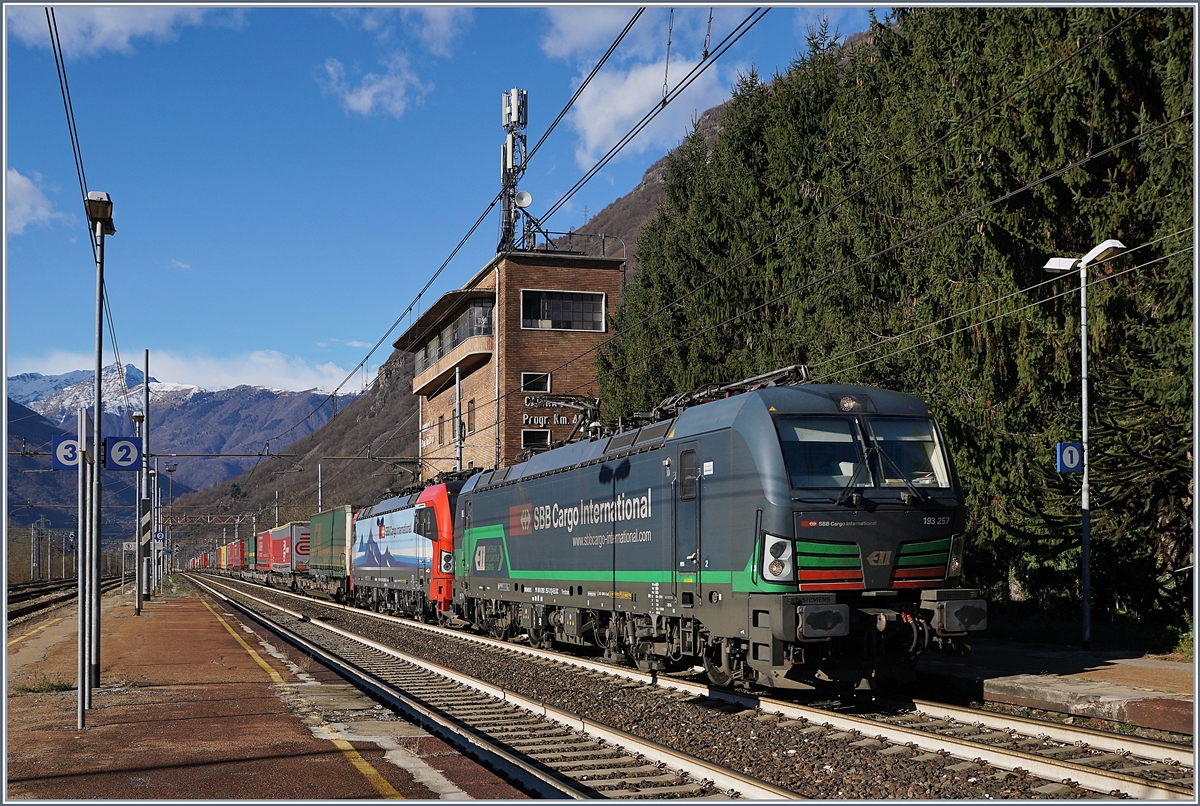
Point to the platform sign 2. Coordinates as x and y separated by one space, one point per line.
122 453
1070 457
64 453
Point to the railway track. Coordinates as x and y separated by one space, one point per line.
973 743
30 599
549 752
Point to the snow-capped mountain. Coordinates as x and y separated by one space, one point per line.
183 418
120 392
30 386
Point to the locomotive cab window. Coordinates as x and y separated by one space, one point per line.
687 475
822 451
425 523
909 452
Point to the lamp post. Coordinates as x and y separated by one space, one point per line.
1102 252
99 212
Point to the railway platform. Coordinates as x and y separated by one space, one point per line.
194 704
1144 691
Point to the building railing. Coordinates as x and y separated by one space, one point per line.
476 320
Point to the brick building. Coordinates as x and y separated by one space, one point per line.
517 331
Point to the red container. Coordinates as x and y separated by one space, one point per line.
262 551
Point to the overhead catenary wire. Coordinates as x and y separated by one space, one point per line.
570 103
728 42
1034 304
955 219
943 320
933 144
788 235
60 64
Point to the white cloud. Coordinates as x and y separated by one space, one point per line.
88 30
616 100
579 32
180 264
25 203
390 93
437 27
269 368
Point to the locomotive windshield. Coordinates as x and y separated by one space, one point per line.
871 451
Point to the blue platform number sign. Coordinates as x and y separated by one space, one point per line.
1070 457
122 453
64 453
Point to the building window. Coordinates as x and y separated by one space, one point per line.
442 429
470 416
562 310
535 439
475 320
535 382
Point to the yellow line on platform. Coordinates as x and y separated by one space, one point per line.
381 784
34 631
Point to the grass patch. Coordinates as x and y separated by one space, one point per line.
44 685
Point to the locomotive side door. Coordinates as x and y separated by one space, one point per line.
686 566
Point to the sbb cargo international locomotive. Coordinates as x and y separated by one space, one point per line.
789 536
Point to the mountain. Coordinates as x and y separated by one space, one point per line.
184 419
30 386
333 459
34 490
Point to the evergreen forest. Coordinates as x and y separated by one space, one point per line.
882 213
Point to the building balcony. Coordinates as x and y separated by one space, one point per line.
468 355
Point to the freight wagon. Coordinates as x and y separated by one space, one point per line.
331 546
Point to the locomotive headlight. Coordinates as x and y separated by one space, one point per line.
777 559
954 566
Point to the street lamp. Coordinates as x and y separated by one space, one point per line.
1102 252
99 211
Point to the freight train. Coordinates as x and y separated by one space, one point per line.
785 537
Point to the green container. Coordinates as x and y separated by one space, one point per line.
330 542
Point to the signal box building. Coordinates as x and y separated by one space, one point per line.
518 334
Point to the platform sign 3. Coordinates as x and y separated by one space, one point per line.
122 453
64 453
1070 457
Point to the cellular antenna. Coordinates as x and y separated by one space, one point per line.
514 117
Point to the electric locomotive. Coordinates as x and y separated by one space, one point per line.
789 537
402 556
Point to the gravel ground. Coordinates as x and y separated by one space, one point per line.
792 755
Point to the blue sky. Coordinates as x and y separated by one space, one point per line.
284 181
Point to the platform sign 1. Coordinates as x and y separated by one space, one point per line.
160 536
64 453
122 453
1070 457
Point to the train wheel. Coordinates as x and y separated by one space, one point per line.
717 676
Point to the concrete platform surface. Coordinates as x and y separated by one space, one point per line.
194 704
1128 687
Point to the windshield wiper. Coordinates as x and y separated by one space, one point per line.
855 498
918 494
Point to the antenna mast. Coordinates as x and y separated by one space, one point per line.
514 118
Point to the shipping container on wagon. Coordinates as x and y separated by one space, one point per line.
331 542
237 554
262 552
289 546
248 552
223 557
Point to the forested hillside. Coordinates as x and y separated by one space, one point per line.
883 212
